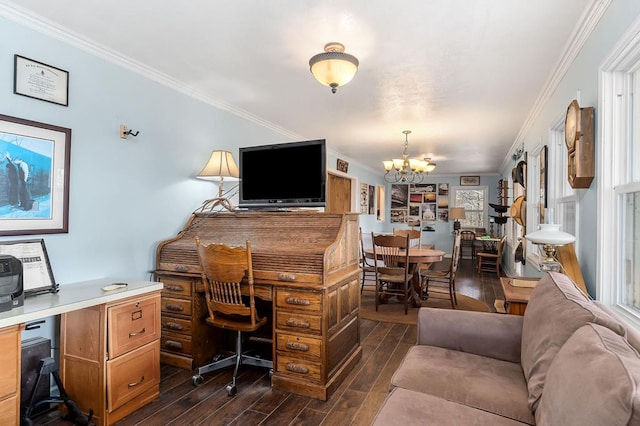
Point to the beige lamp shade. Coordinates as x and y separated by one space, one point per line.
221 166
457 213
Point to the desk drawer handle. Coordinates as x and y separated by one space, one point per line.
172 307
292 322
134 334
283 276
298 301
174 287
136 383
170 344
297 346
297 368
172 326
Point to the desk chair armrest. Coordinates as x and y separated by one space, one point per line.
481 333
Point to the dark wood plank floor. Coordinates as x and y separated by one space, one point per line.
355 402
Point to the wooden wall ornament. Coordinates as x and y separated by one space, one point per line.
580 142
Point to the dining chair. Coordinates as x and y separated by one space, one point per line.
443 282
414 236
468 241
367 267
225 270
392 268
490 261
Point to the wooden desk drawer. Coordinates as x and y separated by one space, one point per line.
132 374
177 325
133 324
176 287
298 367
303 300
9 360
176 343
298 322
9 411
176 306
293 345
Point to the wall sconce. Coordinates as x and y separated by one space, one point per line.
221 165
549 236
457 213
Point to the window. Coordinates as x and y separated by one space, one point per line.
618 236
473 199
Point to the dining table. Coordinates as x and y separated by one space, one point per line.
418 256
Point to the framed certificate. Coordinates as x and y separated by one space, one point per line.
40 81
37 275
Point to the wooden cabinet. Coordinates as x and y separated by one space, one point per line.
9 375
110 356
306 263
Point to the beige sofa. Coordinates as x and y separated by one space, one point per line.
568 361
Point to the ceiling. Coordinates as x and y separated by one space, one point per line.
463 75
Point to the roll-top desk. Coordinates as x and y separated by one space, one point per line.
306 263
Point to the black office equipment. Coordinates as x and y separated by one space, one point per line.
11 286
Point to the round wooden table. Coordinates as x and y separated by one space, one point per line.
417 256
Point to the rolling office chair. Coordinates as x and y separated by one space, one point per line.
224 271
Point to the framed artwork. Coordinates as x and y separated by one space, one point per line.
40 81
342 166
364 198
469 180
372 199
34 177
37 275
543 183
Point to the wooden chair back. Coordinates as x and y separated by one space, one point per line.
468 240
392 252
415 238
225 270
364 262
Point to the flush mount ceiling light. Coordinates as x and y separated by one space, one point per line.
405 169
333 68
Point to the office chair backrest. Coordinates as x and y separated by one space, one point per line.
224 271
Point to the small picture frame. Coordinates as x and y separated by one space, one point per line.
37 276
342 166
36 80
469 180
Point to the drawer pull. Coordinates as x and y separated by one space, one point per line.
297 301
283 276
172 326
297 368
134 333
136 383
297 346
171 344
292 322
174 287
172 307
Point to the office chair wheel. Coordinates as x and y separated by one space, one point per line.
197 380
232 389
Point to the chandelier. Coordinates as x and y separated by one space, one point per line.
333 67
405 169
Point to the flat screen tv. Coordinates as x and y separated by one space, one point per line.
283 175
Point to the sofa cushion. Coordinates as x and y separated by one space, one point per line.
476 381
407 408
556 309
594 380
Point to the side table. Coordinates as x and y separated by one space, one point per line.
517 296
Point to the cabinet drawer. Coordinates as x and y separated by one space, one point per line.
175 287
176 306
133 324
10 361
175 343
299 322
9 411
132 374
298 367
293 345
303 300
177 325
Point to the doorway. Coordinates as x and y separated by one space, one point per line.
340 193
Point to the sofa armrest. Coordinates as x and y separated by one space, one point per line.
496 336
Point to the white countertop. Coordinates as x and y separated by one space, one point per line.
74 296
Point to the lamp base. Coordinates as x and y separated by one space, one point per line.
215 204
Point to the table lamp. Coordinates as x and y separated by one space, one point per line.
457 213
221 165
549 236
